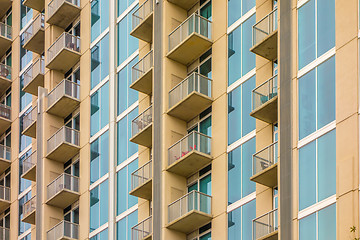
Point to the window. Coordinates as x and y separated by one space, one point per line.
203 233
124 226
25 98
240 222
99 17
25 141
71 214
99 209
237 8
100 61
5 221
126 96
240 122
240 59
25 55
124 199
103 235
319 225
317 98
99 109
123 5
317 170
26 15
240 171
6 98
125 148
23 183
22 225
99 157
127 44
316 30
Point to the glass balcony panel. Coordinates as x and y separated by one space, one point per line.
142 230
141 184
141 128
4 233
142 21
29 123
62 12
34 77
63 230
5 38
142 74
29 209
34 35
265 225
5 152
4 193
29 167
64 144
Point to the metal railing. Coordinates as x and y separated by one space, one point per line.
65 87
265 158
193 141
63 230
5 71
141 121
5 111
65 40
142 229
63 135
142 66
141 175
34 27
5 30
4 233
4 193
194 82
64 181
29 206
141 13
265 92
265 27
193 24
29 162
38 67
29 118
54 5
5 152
265 224
194 200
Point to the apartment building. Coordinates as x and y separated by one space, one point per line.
179 119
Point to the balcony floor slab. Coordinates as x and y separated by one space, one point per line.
63 198
37 42
267 177
144 83
143 191
144 137
32 86
30 174
144 30
267 112
267 48
189 222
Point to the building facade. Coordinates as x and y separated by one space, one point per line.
179 119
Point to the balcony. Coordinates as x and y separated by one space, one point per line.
4 197
64 230
5 157
4 6
264 101
265 227
4 233
64 98
189 154
64 53
34 35
142 230
29 210
141 128
5 77
5 117
189 40
265 36
190 97
29 123
142 22
265 166
34 77
185 4
63 191
141 182
189 212
38 5
29 167
5 37
142 74
63 145
63 12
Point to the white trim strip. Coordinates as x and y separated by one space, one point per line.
316 62
241 141
127 212
241 80
301 3
26 191
100 84
24 234
99 133
99 181
24 151
315 135
127 61
99 230
127 11
99 38
317 207
127 111
127 162
241 20
241 202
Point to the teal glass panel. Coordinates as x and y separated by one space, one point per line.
327 223
307 175
306 33
325 26
307 228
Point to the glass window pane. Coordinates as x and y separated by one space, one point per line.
234 175
307 228
234 115
307 175
248 149
326 26
248 58
327 223
248 122
234 56
249 213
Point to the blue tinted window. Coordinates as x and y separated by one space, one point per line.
99 157
237 8
124 226
99 208
123 5
99 109
103 235
307 228
306 33
23 183
22 225
25 98
99 17
326 26
26 15
240 222
100 61
24 141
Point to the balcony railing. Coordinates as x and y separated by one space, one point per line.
29 206
265 27
4 193
63 182
194 82
54 5
63 230
143 66
264 92
194 200
141 13
265 158
65 87
265 224
5 71
5 30
142 229
142 121
194 141
5 111
4 233
65 41
141 175
34 27
5 152
63 135
29 162
193 24
30 118
38 67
